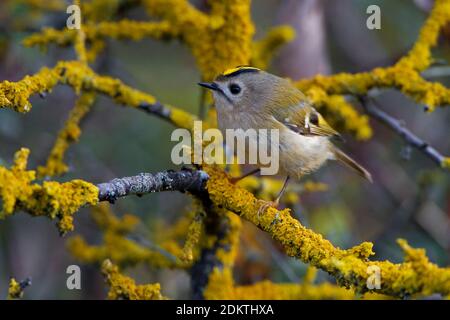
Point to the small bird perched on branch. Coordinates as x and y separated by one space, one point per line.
249 98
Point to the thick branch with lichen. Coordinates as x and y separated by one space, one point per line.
52 199
417 275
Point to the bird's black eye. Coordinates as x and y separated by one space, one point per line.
234 88
314 119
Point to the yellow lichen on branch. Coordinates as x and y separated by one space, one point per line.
193 237
124 29
125 288
213 38
221 284
267 290
219 39
16 95
404 75
341 113
118 247
417 275
265 49
52 199
15 291
70 133
268 188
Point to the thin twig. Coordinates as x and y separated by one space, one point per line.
370 106
157 109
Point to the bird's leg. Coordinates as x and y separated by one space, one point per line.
237 179
283 189
274 204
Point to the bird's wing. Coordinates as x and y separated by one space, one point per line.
303 119
293 117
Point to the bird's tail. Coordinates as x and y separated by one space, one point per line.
349 162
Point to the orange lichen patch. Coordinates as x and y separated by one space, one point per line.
349 267
118 247
123 287
265 49
51 199
70 133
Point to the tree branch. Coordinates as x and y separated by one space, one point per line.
371 108
184 180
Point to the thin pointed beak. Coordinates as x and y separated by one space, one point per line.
213 86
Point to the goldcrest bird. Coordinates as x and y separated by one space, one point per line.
249 98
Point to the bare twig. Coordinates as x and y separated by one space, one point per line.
184 180
370 106
157 109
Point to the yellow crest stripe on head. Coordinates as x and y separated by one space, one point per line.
237 70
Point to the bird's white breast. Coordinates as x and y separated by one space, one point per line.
300 154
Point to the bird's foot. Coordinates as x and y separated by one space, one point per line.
266 205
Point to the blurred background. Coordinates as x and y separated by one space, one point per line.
409 197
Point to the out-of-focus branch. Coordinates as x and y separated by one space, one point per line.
16 288
122 243
124 29
16 95
403 75
69 134
371 107
183 181
125 288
